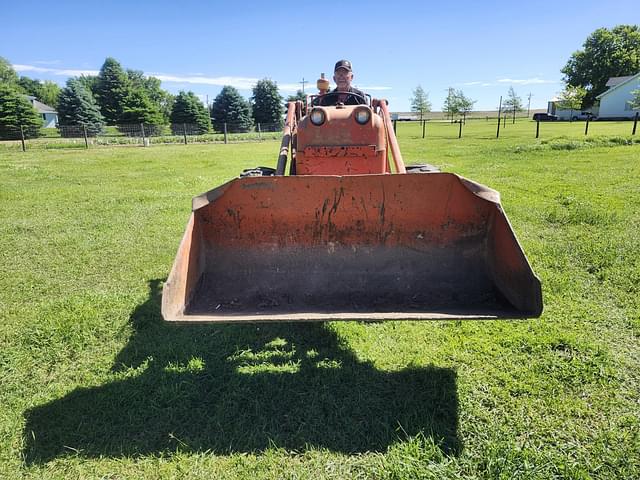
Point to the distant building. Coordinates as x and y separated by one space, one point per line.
49 114
614 103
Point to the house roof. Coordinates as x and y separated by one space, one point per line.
618 85
613 81
39 106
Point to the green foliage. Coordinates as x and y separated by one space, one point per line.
187 108
151 86
300 95
46 92
457 102
451 106
90 82
420 101
231 108
7 74
605 54
76 107
16 111
267 103
513 101
138 108
112 88
465 104
572 98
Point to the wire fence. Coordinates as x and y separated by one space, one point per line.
87 136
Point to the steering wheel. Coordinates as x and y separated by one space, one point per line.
320 100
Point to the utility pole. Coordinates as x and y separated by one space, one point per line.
529 106
303 82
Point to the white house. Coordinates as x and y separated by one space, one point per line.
614 103
49 114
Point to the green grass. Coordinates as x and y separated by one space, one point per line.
94 385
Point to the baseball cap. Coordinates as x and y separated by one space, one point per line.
342 64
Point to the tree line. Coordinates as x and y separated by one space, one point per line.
122 97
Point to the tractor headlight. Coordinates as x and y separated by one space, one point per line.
318 116
362 115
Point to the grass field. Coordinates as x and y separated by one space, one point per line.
95 385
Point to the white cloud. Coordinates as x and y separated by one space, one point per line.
241 83
53 71
469 84
526 81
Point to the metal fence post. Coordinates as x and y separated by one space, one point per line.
24 148
424 123
225 133
86 140
259 131
184 132
460 131
537 128
586 126
635 123
499 112
394 126
143 137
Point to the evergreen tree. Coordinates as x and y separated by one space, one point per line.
451 105
16 111
138 108
112 87
151 85
513 101
76 107
7 74
420 102
267 103
187 108
300 95
231 108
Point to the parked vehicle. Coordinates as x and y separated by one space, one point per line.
544 117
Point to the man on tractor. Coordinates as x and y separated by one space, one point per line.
344 93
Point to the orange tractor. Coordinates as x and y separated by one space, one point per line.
351 233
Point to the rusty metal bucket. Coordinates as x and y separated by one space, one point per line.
369 247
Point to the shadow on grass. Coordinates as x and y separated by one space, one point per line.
242 388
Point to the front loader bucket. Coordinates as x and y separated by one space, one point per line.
370 247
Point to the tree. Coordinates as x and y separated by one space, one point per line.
420 102
267 103
188 108
112 87
76 107
7 74
16 111
513 101
451 106
300 95
606 53
571 98
90 82
465 104
231 108
151 85
138 108
46 92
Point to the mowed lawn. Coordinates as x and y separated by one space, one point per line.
93 384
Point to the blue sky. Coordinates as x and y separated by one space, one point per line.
482 48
